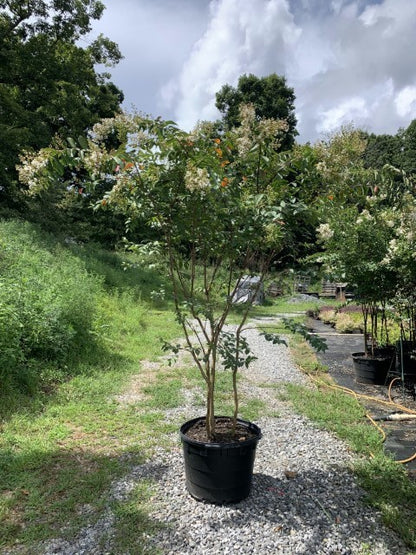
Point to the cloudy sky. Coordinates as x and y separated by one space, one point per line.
347 60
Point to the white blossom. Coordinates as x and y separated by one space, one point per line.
325 232
94 159
196 178
31 167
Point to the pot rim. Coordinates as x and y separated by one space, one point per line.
361 354
214 445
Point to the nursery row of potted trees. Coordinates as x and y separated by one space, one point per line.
372 246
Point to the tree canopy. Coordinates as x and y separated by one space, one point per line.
271 97
48 82
397 150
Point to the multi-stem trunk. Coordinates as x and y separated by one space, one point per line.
210 416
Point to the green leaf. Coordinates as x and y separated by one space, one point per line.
83 142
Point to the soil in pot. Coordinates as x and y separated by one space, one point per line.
219 472
223 431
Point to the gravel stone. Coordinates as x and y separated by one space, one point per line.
304 497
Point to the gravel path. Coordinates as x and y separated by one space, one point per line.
304 498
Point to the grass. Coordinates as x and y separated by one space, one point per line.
132 515
387 486
62 446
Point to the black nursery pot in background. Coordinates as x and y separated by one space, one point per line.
219 472
373 370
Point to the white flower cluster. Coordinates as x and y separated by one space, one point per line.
272 129
196 179
123 124
391 252
245 140
364 216
201 129
254 131
103 129
31 166
325 232
93 160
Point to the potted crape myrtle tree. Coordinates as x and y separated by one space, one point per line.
221 212
357 240
401 258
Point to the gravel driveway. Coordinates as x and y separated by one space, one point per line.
304 498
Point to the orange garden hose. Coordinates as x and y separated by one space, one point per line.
358 396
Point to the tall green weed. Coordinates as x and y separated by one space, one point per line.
48 303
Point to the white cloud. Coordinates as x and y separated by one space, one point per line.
242 37
405 101
154 36
345 59
366 56
352 110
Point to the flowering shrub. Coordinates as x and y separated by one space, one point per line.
369 243
327 316
216 203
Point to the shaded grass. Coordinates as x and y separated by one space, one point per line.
389 489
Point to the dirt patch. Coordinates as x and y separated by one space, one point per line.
148 375
134 391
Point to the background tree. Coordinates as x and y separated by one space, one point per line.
48 82
381 150
407 140
271 97
397 150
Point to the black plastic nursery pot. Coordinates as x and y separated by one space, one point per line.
372 370
219 472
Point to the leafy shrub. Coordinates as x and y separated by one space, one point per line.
327 316
344 323
48 302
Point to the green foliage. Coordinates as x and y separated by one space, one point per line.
318 343
407 138
271 97
49 84
396 150
344 179
370 245
381 150
47 303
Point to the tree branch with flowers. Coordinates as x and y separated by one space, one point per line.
215 203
